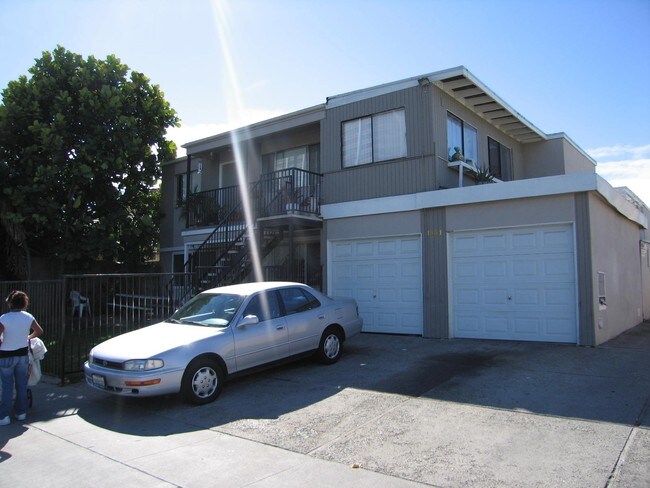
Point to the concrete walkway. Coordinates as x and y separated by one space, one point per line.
394 412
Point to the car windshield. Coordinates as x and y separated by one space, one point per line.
209 310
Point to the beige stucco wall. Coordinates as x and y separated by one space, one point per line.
543 158
574 160
555 156
510 213
615 252
645 278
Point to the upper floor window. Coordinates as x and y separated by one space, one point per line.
181 186
461 135
499 160
304 157
378 137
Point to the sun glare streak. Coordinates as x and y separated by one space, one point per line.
235 108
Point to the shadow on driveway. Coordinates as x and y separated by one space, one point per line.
610 383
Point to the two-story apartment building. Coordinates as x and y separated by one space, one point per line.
379 194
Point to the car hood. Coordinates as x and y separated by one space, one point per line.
152 341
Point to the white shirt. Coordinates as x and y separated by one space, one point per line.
17 326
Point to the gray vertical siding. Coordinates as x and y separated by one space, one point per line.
415 173
434 273
586 332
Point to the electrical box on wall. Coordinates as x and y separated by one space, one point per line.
602 298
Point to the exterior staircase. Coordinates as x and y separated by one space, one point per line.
226 257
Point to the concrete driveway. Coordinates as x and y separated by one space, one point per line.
395 411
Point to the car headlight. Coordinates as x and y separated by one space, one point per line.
142 364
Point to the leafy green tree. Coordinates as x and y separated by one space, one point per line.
81 142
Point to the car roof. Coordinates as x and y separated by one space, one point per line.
249 288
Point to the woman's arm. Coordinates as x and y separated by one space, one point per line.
36 330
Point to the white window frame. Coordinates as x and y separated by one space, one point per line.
358 152
464 127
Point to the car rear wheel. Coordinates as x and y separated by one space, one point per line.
330 347
202 381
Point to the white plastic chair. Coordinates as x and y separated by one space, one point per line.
79 302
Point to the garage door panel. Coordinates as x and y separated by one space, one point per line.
387 248
467 326
364 249
557 239
387 272
526 326
466 296
364 295
494 243
526 292
412 296
559 297
410 270
560 328
386 295
494 269
363 271
524 269
559 266
495 324
526 297
342 251
411 323
495 297
410 247
343 271
524 241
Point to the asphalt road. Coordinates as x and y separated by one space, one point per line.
396 411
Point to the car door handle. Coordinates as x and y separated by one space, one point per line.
279 327
321 317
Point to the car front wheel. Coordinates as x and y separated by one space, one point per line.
202 381
330 347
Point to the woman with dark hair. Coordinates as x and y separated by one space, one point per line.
17 327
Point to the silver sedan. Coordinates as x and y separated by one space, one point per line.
220 333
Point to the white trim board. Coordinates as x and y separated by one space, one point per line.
511 190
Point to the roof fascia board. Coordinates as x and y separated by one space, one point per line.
529 188
171 162
358 95
265 127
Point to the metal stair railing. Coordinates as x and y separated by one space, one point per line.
270 196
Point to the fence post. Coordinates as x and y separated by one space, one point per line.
64 287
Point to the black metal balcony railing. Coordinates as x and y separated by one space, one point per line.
278 193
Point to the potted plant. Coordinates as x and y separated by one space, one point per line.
458 155
482 175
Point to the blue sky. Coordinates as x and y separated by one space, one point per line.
575 66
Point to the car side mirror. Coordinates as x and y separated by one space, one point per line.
248 320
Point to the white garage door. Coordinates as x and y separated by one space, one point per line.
384 276
516 284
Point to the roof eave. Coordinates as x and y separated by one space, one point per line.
463 86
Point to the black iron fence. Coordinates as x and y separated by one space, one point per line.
80 311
